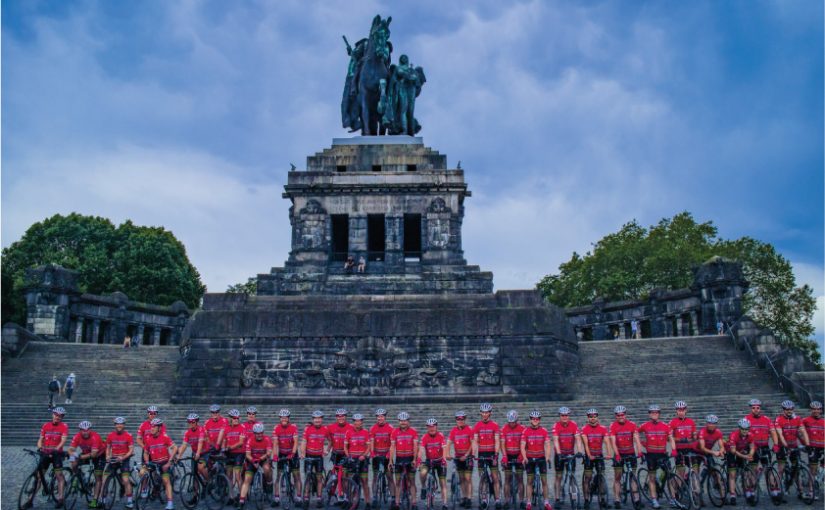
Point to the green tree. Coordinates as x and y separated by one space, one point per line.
250 287
629 263
147 263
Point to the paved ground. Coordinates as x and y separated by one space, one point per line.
15 465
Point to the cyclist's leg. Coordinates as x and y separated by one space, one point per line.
618 469
544 485
166 478
363 472
248 473
586 477
531 474
296 478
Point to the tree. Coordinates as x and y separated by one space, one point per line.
146 263
629 263
250 287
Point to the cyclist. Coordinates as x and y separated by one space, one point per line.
314 449
214 428
461 441
338 435
741 450
234 442
434 451
762 430
119 449
623 436
596 448
710 436
258 453
194 438
251 414
380 438
789 431
535 448
357 449
567 441
683 430
815 430
511 446
486 443
160 450
285 445
53 436
87 448
657 438
146 426
403 445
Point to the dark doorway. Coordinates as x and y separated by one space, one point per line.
376 237
165 335
340 237
647 331
412 236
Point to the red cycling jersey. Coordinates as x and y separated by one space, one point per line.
404 440
157 446
512 440
380 436
711 438
257 448
213 428
315 438
655 436
683 431
285 437
338 435
52 434
485 434
145 428
815 427
193 437
623 435
434 445
247 425
760 429
86 445
740 442
235 438
789 427
594 435
119 442
566 433
462 439
534 441
357 442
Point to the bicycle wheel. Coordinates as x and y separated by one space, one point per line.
143 492
514 486
678 492
535 500
406 502
573 493
380 492
188 493
635 490
257 493
330 493
217 491
28 492
72 490
773 485
695 487
805 485
716 487
431 489
308 489
644 488
483 490
352 492
455 491
600 487
90 483
178 471
109 493
285 489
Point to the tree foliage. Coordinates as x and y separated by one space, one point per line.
628 264
250 287
146 263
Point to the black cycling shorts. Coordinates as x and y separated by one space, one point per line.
439 468
316 462
763 456
734 462
815 455
287 464
513 460
558 463
530 466
337 458
487 459
362 467
462 466
589 465
654 460
377 462
402 462
235 459
681 455
98 463
53 458
620 465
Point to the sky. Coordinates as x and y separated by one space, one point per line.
569 119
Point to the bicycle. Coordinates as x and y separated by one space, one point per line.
258 492
432 487
535 486
149 486
630 484
598 483
714 482
798 475
215 491
485 483
772 482
668 484
514 482
569 485
311 475
455 487
380 486
693 480
339 488
82 482
112 484
37 483
404 490
286 490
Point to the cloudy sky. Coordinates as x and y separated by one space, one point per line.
569 119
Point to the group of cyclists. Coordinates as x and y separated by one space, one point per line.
529 448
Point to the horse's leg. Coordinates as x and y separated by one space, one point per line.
365 114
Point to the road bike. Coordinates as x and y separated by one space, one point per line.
81 483
260 491
714 482
406 486
380 485
39 487
340 489
432 487
313 471
514 474
598 483
150 486
630 483
286 489
569 487
797 475
485 482
215 490
667 484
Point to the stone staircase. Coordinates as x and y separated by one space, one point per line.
707 372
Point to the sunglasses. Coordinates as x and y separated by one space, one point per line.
214 412
620 415
152 412
460 419
756 407
535 419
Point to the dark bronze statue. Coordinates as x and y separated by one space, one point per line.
379 98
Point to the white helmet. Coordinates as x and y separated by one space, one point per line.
512 416
152 409
485 408
564 410
816 404
619 410
787 404
341 412
156 422
380 412
215 408
258 428
234 413
403 415
283 413
357 417
712 418
84 425
119 420
251 410
317 414
754 402
592 411
431 422
680 404
192 417
744 423
535 413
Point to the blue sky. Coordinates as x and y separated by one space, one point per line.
569 118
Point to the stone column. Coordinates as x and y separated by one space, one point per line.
694 322
95 331
156 336
621 331
78 333
680 326
138 335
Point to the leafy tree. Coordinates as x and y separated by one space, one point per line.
250 287
629 263
147 263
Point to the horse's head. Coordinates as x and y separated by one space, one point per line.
379 37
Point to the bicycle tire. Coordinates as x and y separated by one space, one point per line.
352 490
380 492
514 488
716 487
455 491
257 492
285 489
177 472
805 486
405 502
90 484
773 484
694 484
28 492
217 491
189 492
484 489
142 494
108 495
637 503
72 490
535 498
574 493
431 490
328 494
677 491
644 487
310 481
600 486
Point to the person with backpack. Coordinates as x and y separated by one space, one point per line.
54 390
68 388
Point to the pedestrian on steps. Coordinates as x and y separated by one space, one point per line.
68 388
54 390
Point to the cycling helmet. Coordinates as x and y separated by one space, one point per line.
403 415
755 402
535 413
192 417
592 411
432 422
215 408
461 414
59 410
157 422
84 425
234 413
317 414
564 411
653 408
619 410
744 423
258 428
380 412
485 408
512 416
283 413
341 412
251 410
712 418
787 404
680 404
816 404
152 409
357 416
119 420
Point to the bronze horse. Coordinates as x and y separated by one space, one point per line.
372 76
